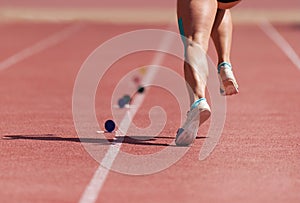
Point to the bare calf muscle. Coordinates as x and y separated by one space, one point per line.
198 21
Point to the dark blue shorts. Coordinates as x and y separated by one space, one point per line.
227 1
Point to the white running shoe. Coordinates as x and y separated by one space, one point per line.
199 113
228 84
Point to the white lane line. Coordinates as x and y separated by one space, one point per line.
274 35
44 44
93 189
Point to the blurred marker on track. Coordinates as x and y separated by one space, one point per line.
90 195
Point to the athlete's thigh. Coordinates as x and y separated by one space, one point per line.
197 17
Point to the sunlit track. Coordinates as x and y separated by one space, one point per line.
93 189
281 42
40 46
43 159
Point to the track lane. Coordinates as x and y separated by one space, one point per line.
42 159
258 151
252 161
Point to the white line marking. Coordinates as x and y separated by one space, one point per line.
93 189
40 46
274 35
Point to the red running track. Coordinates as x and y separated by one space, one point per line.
42 160
256 160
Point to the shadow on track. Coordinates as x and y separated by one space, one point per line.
108 141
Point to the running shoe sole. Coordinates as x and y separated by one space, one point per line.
187 134
228 84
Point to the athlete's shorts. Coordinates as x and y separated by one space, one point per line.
227 1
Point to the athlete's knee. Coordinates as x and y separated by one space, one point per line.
201 41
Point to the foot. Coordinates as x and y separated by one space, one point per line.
198 114
228 84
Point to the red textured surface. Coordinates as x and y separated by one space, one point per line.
259 149
256 160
